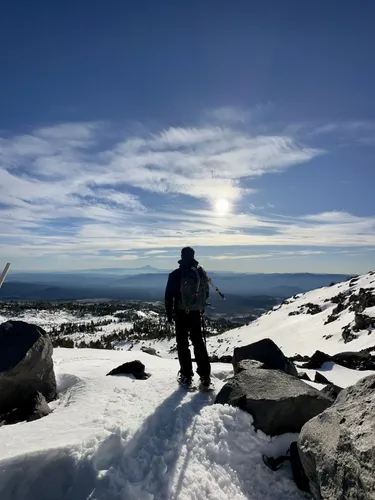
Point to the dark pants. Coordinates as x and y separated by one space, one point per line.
190 323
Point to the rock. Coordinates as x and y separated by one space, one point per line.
317 360
313 308
339 308
33 408
332 317
149 350
278 402
304 376
320 379
337 448
26 365
225 359
331 391
299 358
214 358
248 364
135 368
363 322
267 352
361 360
347 334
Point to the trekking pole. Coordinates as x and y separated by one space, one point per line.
204 330
4 273
215 287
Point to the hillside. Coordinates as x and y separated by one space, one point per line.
319 319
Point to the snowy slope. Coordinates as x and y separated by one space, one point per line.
119 438
296 331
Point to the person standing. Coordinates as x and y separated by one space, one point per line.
186 294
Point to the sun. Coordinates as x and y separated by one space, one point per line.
222 206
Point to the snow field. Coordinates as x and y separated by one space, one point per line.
120 438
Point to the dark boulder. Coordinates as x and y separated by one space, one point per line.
149 350
135 368
331 391
278 402
317 360
304 376
267 352
26 365
320 379
361 360
337 448
299 358
33 408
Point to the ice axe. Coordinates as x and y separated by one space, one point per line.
4 273
213 284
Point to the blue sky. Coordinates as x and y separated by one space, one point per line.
245 129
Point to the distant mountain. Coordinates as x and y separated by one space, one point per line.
150 285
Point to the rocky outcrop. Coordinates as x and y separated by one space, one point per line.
355 360
278 402
317 360
337 448
135 368
266 352
33 408
26 367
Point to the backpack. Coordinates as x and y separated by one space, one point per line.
194 289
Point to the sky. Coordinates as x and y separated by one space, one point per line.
245 129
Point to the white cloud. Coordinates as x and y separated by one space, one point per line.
62 193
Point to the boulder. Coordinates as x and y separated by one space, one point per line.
33 408
361 360
320 379
278 402
26 365
337 448
149 350
299 358
248 364
267 352
317 360
135 368
331 391
304 376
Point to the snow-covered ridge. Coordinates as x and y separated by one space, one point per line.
332 319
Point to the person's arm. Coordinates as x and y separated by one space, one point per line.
170 294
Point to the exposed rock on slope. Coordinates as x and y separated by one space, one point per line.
337 448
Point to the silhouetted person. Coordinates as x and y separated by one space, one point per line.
185 299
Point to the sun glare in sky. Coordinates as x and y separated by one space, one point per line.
222 206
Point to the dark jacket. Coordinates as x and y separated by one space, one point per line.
172 291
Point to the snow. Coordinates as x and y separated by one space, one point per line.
337 374
302 333
121 438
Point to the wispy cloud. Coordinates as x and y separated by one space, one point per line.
79 189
